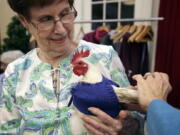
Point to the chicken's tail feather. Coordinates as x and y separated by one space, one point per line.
126 95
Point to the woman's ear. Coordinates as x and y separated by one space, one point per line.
23 21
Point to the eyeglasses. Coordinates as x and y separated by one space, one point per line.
49 24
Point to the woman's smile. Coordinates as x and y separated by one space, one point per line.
59 40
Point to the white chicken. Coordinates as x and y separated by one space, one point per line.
95 90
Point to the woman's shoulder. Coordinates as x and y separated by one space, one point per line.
93 47
23 62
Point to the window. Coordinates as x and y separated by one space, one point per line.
112 9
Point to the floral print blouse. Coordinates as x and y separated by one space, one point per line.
35 97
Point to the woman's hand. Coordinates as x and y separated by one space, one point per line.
152 86
103 124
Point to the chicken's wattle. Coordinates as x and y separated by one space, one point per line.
80 68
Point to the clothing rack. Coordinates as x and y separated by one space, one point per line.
121 20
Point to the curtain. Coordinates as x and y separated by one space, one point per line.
168 47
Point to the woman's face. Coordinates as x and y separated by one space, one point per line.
57 40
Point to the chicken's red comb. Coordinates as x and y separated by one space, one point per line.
79 55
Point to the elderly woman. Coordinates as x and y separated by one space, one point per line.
37 87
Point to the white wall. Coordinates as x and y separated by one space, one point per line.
83 8
143 9
152 49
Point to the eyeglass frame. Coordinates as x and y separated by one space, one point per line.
53 21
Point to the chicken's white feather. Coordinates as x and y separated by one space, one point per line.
126 95
93 74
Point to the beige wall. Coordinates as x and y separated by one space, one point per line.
5 16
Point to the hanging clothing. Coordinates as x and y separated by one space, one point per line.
90 37
95 36
134 57
107 41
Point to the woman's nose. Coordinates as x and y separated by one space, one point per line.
59 28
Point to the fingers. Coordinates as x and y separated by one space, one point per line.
161 78
152 76
91 130
148 87
157 75
102 124
95 127
103 116
166 79
152 85
165 76
137 77
123 114
140 81
147 75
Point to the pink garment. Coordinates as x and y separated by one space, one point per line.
95 36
